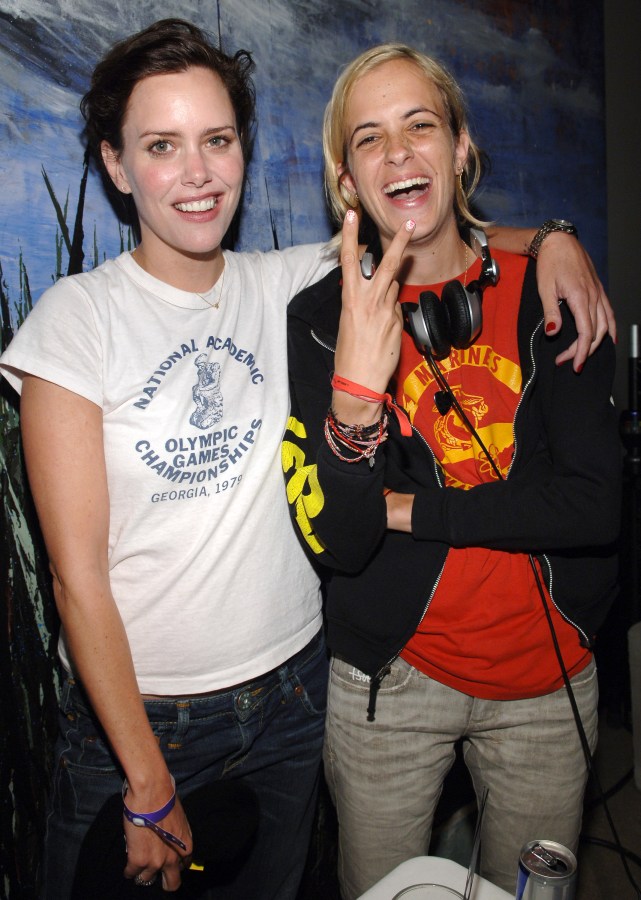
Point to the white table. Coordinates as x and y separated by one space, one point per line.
426 869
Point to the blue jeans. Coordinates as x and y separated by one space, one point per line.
268 732
386 776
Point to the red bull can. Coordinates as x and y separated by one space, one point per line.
547 871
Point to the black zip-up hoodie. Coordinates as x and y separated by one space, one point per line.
561 500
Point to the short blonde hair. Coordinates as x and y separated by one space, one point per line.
334 136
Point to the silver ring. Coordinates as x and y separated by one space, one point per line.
140 881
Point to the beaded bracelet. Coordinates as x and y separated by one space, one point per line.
361 440
150 820
358 433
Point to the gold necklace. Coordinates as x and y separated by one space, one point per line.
465 264
220 293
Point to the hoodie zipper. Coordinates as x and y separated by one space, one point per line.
549 578
384 670
330 347
586 640
375 682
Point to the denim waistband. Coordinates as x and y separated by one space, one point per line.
298 658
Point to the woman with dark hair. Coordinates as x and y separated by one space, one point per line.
463 491
154 399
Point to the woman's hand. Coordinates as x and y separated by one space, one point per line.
369 336
565 271
399 511
64 451
149 855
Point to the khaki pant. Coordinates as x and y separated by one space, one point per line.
386 776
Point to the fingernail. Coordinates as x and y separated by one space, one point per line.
550 327
410 224
350 215
579 369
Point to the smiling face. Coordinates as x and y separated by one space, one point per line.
402 159
183 164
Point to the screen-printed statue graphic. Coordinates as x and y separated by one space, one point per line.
207 395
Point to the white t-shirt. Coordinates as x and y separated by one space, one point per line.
210 580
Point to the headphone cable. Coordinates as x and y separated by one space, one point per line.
445 387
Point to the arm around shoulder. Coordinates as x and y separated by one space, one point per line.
564 272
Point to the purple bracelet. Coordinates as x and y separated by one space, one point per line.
150 820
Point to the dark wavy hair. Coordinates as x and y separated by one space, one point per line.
169 45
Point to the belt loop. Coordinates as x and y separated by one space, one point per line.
286 677
182 724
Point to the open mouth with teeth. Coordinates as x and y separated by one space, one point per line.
197 205
407 189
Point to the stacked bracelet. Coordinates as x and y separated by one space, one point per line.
362 393
151 819
361 440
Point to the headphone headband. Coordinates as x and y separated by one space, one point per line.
456 319
489 267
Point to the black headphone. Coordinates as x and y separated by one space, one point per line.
455 320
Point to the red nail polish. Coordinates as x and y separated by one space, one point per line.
579 369
550 327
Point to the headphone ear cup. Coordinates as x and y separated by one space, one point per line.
429 325
464 313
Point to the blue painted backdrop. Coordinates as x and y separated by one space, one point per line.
532 71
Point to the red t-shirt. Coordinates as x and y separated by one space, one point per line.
485 631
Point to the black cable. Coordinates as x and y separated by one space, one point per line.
608 845
620 784
444 386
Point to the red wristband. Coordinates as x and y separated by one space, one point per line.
362 393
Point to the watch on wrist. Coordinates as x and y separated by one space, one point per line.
548 228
